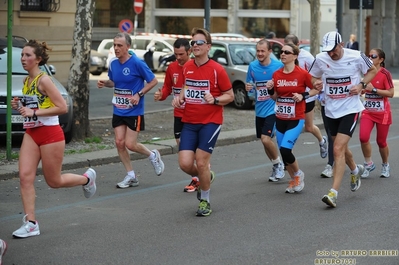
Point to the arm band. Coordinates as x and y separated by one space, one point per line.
271 91
305 95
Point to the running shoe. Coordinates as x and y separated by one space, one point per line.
3 249
385 171
193 186
324 148
299 182
330 199
327 172
157 163
90 188
368 167
278 172
127 182
291 185
199 189
27 229
204 208
356 179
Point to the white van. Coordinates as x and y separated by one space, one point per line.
140 45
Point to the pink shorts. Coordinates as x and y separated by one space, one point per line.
46 134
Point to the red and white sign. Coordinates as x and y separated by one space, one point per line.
138 6
126 25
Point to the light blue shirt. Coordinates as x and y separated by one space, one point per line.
259 74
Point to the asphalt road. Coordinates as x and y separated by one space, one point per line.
100 105
253 220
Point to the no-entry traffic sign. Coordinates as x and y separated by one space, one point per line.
126 25
138 6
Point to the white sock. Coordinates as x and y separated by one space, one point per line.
205 195
354 172
322 142
335 191
131 174
152 156
276 161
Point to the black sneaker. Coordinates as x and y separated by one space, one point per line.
204 208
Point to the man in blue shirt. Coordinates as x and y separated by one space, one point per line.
259 72
127 74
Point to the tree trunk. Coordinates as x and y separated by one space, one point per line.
315 18
78 81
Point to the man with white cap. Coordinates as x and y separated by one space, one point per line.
340 70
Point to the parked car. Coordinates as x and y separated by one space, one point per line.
98 63
226 35
235 56
141 44
307 47
18 75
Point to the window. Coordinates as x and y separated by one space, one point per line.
40 5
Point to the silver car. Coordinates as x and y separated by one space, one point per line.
18 75
235 56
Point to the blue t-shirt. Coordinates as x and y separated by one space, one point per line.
259 75
129 79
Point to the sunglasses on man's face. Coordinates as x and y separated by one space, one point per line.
198 42
373 56
286 52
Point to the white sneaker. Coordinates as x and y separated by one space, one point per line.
157 163
27 229
324 148
368 167
278 172
327 172
127 182
385 171
90 188
299 183
3 249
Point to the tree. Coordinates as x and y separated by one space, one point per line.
315 18
78 81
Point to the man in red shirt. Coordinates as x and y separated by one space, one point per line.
173 84
207 89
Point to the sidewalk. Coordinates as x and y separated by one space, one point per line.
165 147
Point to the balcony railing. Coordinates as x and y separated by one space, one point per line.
40 5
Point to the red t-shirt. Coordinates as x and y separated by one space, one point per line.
173 83
284 85
378 108
198 80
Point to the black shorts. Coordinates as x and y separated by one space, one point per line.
134 123
345 125
177 127
265 126
310 106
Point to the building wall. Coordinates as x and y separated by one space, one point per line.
55 28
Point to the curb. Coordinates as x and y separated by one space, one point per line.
110 156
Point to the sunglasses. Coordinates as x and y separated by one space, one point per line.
286 52
198 42
373 56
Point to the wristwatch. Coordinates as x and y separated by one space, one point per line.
215 101
374 90
141 94
363 84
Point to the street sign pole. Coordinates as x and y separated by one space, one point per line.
360 25
9 79
138 8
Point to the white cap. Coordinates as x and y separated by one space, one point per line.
330 41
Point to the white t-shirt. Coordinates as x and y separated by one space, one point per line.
305 60
338 78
